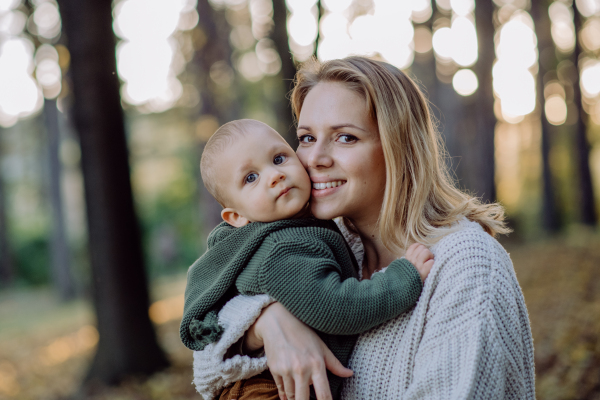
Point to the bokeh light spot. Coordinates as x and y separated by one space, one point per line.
465 82
556 110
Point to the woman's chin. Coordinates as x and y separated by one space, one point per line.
322 210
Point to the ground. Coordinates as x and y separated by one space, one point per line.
45 346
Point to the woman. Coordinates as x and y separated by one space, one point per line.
365 123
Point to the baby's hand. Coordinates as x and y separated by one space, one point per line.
421 258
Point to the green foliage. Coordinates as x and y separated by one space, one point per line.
171 226
32 259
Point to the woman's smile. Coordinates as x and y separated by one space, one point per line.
322 189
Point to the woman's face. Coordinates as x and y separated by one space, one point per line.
339 143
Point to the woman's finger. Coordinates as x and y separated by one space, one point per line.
321 385
279 383
289 387
302 388
334 365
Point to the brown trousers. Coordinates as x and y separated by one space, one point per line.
260 387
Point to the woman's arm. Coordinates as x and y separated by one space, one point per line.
476 341
287 340
296 356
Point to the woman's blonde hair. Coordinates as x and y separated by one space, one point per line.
421 199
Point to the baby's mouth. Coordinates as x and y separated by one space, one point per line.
284 191
327 185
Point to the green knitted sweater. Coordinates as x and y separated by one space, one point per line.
306 265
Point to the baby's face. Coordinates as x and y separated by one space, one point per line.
264 179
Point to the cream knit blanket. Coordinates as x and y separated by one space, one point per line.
467 338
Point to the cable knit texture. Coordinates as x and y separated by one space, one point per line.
467 338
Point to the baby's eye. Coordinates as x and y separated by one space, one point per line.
280 158
251 178
306 139
345 138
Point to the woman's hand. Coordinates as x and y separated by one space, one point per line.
296 356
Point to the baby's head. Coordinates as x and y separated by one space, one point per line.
254 174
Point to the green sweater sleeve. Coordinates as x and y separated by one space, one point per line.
305 277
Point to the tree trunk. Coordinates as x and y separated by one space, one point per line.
539 11
484 160
61 271
127 341
586 191
279 35
6 263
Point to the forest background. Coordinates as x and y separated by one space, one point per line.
105 108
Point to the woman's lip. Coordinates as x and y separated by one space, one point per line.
314 179
324 192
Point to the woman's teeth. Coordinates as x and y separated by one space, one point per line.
327 185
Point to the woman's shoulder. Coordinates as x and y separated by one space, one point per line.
464 237
467 249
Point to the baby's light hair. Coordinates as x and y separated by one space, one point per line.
217 145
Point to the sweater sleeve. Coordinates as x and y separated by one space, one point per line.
476 341
315 293
212 372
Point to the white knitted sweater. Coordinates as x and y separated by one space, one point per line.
468 337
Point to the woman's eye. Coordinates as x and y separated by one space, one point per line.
347 138
306 139
279 159
251 178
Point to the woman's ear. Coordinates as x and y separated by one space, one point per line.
232 217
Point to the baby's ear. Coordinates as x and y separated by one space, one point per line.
232 217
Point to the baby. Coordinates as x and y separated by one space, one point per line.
270 244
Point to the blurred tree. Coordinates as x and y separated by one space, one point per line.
61 271
468 122
214 56
483 165
218 104
587 213
127 341
547 58
423 70
6 262
446 105
279 35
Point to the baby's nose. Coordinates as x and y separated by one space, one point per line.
277 177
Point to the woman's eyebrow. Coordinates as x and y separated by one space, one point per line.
336 127
348 125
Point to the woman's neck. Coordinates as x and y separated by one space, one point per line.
376 255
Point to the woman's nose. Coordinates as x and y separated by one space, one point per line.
319 156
